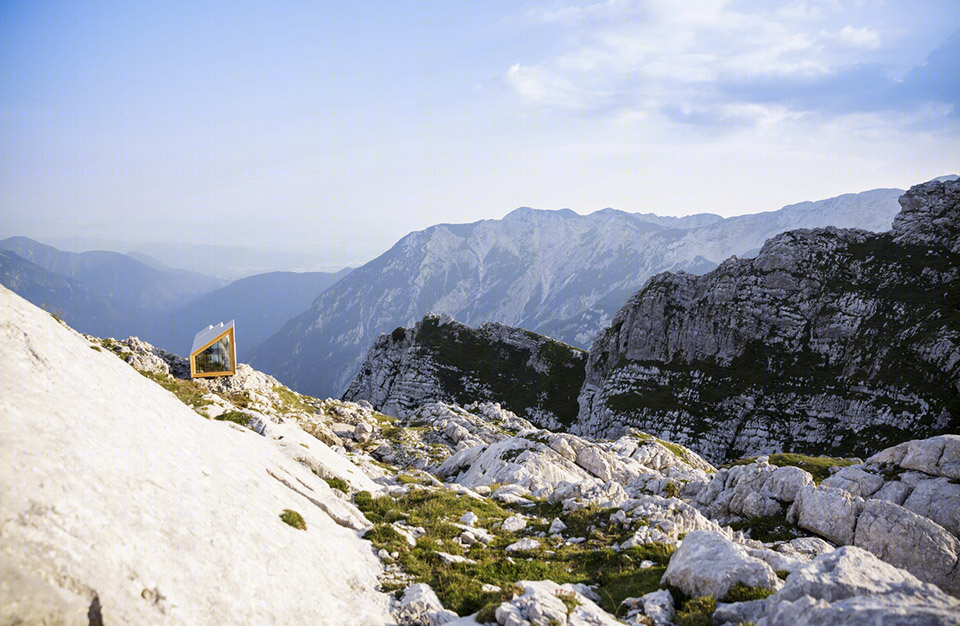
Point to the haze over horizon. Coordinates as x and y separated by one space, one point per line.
333 129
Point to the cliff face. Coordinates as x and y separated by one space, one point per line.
829 341
441 360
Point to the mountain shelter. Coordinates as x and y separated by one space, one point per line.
214 351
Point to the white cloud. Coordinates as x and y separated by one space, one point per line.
859 37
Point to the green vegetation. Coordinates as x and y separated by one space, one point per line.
569 600
818 466
97 348
782 573
741 593
294 519
234 416
338 483
292 401
504 370
189 392
671 490
678 451
696 612
617 574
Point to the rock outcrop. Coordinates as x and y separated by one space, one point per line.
901 504
441 360
848 586
830 341
708 564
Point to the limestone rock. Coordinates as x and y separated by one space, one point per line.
542 603
127 502
420 606
707 564
907 540
851 586
831 513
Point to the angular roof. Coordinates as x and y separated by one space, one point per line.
210 333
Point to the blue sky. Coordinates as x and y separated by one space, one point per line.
337 127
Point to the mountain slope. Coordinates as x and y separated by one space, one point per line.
441 360
121 505
553 272
260 304
829 341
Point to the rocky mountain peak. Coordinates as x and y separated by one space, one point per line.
930 215
442 360
828 335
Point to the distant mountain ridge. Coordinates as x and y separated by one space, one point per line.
553 272
116 295
260 304
116 275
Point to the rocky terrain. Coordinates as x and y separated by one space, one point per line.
829 341
442 360
553 272
236 500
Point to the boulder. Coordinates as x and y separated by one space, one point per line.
542 602
420 606
708 564
852 586
829 512
907 540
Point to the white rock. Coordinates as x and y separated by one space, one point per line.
851 586
910 541
707 564
831 513
420 606
523 544
469 518
450 559
557 526
513 524
658 606
104 499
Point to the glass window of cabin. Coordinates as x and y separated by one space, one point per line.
216 358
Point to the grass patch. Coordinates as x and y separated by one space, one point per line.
189 392
671 490
618 575
818 466
338 484
290 400
97 348
294 519
569 600
234 416
743 593
696 612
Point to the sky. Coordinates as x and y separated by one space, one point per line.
335 127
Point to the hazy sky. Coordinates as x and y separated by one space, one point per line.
337 127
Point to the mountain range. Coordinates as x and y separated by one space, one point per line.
830 340
553 272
